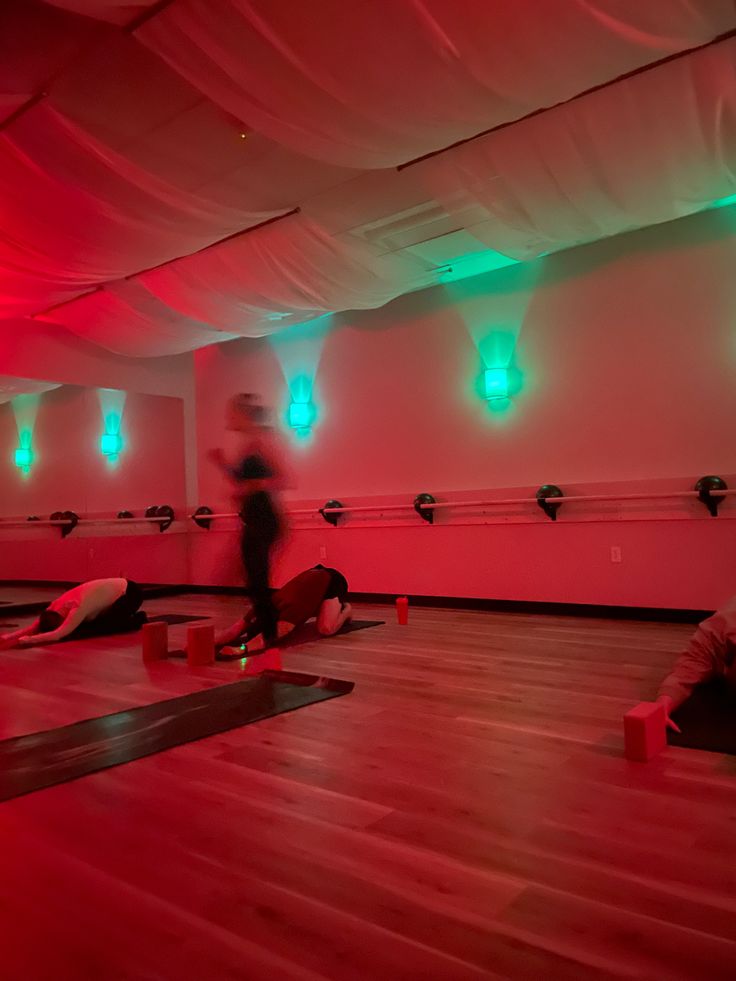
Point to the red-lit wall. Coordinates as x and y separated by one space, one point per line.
627 354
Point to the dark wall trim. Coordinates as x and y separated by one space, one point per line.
659 614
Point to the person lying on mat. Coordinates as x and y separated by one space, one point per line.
317 592
711 653
96 608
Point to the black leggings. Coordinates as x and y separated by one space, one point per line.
124 615
260 534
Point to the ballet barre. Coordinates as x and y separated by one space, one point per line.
66 521
710 491
63 522
572 499
36 522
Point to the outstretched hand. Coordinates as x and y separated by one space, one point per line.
666 702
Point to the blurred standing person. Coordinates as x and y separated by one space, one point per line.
260 473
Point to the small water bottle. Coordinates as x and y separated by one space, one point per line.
402 609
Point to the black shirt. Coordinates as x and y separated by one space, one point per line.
258 506
252 467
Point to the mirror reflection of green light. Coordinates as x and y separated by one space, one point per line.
112 405
111 442
25 409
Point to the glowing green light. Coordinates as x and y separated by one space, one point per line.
112 405
24 458
474 264
301 415
111 444
496 382
723 202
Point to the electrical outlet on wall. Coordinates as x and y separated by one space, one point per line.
615 553
322 552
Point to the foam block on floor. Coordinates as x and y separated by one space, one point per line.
645 731
155 641
201 644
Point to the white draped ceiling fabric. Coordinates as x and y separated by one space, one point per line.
288 272
373 84
165 128
604 164
115 217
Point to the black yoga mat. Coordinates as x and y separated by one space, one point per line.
300 635
308 631
98 630
44 759
92 630
707 719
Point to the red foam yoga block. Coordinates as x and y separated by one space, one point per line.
201 644
645 731
402 609
155 641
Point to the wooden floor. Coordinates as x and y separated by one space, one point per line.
466 813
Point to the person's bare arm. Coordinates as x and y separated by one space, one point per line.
667 703
697 663
73 619
7 641
332 615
